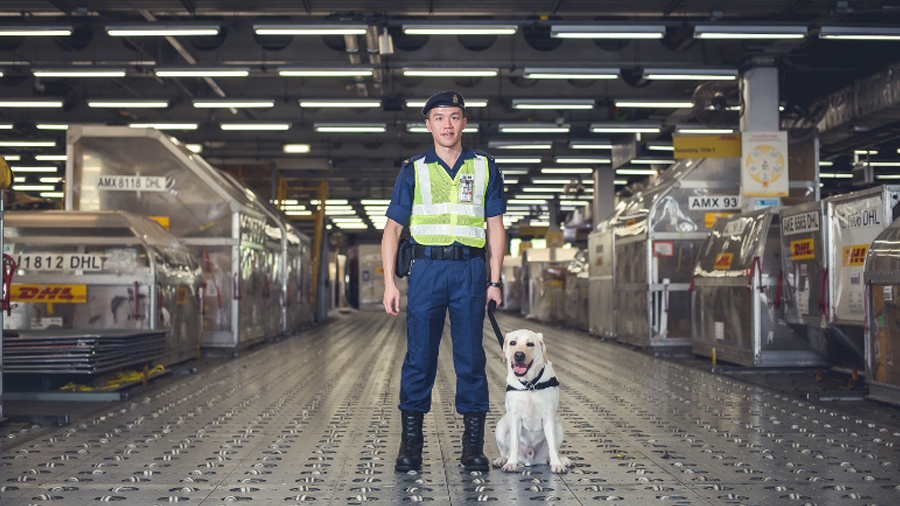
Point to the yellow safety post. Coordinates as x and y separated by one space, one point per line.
714 355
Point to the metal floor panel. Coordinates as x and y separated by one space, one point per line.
313 419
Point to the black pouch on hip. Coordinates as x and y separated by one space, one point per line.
405 255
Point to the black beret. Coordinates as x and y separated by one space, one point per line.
444 99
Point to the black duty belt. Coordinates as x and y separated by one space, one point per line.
452 252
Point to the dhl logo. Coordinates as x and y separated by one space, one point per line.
54 294
855 256
802 249
723 261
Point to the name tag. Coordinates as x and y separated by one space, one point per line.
466 187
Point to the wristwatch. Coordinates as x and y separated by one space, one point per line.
498 285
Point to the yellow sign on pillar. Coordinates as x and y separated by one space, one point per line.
707 146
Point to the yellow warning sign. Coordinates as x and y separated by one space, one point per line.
54 294
855 256
709 219
723 261
707 146
802 249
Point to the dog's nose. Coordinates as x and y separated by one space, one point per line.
519 356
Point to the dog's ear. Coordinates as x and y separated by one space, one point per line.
543 346
506 347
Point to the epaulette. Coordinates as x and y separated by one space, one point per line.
412 159
482 153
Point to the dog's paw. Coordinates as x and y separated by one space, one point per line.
566 462
510 467
559 468
499 462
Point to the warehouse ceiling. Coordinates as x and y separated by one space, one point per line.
272 71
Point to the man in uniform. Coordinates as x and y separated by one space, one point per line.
452 199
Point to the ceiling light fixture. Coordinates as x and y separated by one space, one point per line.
470 103
35 170
163 30
27 144
35 31
31 104
249 127
11 158
165 126
194 148
502 160
34 187
433 72
660 147
703 131
79 72
231 103
520 145
202 72
590 145
744 32
608 31
51 158
570 73
127 104
635 172
358 103
655 104
672 74
565 159
534 128
835 175
309 29
652 161
467 29
636 128
859 33
553 104
52 126
363 128
567 170
296 148
326 72
418 128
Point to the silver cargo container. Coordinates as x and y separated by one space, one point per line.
512 289
577 307
229 229
739 296
601 294
882 277
103 270
657 236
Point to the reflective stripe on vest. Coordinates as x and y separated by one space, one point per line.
437 216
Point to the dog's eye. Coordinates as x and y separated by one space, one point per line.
530 344
512 343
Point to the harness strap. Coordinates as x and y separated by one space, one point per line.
550 383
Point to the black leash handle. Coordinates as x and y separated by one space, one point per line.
492 306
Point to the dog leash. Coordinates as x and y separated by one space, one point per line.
492 306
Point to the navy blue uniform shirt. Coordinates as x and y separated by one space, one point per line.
401 206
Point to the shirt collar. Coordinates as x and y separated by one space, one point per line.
431 156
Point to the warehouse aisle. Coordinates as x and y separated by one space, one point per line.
313 419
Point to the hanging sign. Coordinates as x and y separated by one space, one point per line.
764 164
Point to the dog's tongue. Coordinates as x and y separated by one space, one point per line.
520 368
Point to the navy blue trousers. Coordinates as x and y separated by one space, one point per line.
436 286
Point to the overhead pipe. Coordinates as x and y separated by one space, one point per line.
372 48
351 42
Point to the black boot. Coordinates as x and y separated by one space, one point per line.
473 458
410 455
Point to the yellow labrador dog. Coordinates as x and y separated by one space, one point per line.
530 433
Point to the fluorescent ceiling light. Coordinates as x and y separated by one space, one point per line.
590 145
535 189
543 196
867 152
887 176
27 144
298 213
52 180
51 158
19 179
326 72
11 158
28 103
520 145
883 164
432 72
655 104
34 187
468 29
515 172
127 104
635 172
509 180
296 148
652 161
553 104
576 203
359 103
703 131
835 175
566 159
701 74
78 72
620 181
35 31
567 170
635 128
502 160
470 103
534 128
418 128
308 29
202 72
163 30
660 147
744 32
374 128
608 31
165 126
194 148
229 103
859 33
35 170
375 202
570 73
826 163
52 126
559 181
527 202
6 126
235 127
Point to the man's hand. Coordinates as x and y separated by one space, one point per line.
493 294
391 300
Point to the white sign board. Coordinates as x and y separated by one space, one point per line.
800 223
856 224
134 183
714 203
764 164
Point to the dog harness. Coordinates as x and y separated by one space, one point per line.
552 382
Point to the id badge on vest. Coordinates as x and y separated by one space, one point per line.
466 187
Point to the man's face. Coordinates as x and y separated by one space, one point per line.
446 125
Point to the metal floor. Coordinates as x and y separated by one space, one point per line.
313 419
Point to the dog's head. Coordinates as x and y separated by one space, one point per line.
525 353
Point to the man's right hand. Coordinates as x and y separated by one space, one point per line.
391 300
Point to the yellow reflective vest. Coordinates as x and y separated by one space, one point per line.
450 210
